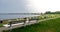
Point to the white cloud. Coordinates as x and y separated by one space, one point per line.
29 5
43 5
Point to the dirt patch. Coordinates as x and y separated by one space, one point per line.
50 30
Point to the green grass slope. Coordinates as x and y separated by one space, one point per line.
44 26
1 25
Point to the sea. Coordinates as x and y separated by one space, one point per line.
2 17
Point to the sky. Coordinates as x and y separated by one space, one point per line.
29 6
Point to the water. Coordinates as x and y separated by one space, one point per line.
14 16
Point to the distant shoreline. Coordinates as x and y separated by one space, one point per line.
20 13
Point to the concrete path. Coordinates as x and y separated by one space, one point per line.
20 25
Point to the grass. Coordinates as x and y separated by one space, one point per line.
1 25
44 26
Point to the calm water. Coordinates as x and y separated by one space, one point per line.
14 16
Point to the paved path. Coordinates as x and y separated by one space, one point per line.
20 25
31 22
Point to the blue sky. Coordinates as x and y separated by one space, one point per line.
29 6
12 6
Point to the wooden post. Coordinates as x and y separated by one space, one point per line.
24 22
10 23
27 20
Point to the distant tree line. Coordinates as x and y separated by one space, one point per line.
49 12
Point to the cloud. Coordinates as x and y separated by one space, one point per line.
22 6
44 5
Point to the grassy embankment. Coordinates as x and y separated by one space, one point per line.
44 26
1 25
